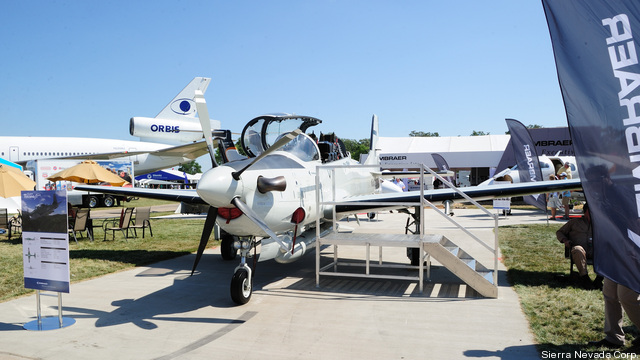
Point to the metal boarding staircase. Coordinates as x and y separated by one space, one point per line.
468 269
438 247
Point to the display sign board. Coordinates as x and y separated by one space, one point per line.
45 240
502 203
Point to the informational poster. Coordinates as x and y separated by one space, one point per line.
45 240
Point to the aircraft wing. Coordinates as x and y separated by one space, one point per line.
187 196
375 202
372 202
190 151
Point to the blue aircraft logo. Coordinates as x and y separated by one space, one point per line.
183 107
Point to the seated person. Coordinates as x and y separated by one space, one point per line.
577 236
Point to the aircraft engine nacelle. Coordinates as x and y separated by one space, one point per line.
170 131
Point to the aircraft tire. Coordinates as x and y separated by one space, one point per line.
226 247
241 287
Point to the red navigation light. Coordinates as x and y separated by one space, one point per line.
298 216
229 213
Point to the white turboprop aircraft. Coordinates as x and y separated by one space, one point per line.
167 140
269 199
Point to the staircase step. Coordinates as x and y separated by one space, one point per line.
464 266
470 262
488 275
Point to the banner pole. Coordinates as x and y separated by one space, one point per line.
60 308
38 311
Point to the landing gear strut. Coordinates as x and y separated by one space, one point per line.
242 280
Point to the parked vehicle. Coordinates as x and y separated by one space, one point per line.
39 170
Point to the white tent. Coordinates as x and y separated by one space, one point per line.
460 152
12 204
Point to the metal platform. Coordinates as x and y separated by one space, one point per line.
438 247
369 240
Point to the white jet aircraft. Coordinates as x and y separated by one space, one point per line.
169 139
549 165
268 200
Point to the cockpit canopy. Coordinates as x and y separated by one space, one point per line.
262 132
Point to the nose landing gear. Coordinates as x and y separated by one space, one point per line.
242 280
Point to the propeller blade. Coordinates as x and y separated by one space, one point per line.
278 144
205 123
247 211
206 233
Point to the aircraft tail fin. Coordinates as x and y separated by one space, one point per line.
373 158
183 104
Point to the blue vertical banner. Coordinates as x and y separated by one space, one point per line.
442 165
595 44
524 150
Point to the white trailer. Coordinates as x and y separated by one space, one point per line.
41 169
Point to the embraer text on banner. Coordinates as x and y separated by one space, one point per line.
622 53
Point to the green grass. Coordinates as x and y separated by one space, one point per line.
171 238
563 318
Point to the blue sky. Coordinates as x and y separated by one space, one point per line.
83 68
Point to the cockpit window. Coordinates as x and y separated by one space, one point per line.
262 132
276 129
251 140
303 147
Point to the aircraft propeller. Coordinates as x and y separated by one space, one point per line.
203 115
206 233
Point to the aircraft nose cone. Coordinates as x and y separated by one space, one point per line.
217 187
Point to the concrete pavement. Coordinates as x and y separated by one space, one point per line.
160 312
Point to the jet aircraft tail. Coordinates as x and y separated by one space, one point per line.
183 105
373 158
177 122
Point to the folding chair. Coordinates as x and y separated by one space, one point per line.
121 224
142 220
80 224
567 255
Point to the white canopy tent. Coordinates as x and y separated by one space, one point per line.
460 152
